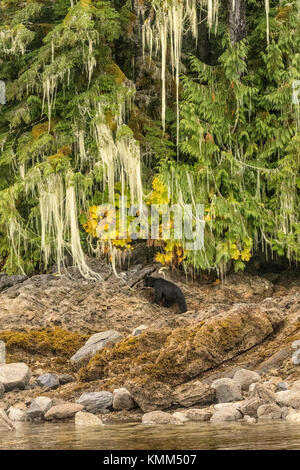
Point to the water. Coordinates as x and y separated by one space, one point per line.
279 435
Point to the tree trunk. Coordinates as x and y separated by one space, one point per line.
237 20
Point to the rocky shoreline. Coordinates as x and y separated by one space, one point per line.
72 349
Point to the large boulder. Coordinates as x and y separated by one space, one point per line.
14 375
5 422
94 344
63 411
227 390
194 393
122 399
245 378
158 417
83 418
96 402
2 390
178 355
48 380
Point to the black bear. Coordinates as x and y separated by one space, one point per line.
166 292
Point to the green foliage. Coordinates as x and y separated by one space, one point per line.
67 72
240 146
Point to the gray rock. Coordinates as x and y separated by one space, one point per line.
14 375
269 412
245 378
2 352
139 330
288 398
158 417
122 399
227 390
48 380
2 390
9 281
38 408
83 418
95 343
63 411
96 402
5 422
228 414
15 414
282 386
296 357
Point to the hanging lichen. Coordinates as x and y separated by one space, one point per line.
164 29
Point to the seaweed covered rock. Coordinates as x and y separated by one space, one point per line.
182 354
48 341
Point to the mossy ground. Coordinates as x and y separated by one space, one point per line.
51 341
